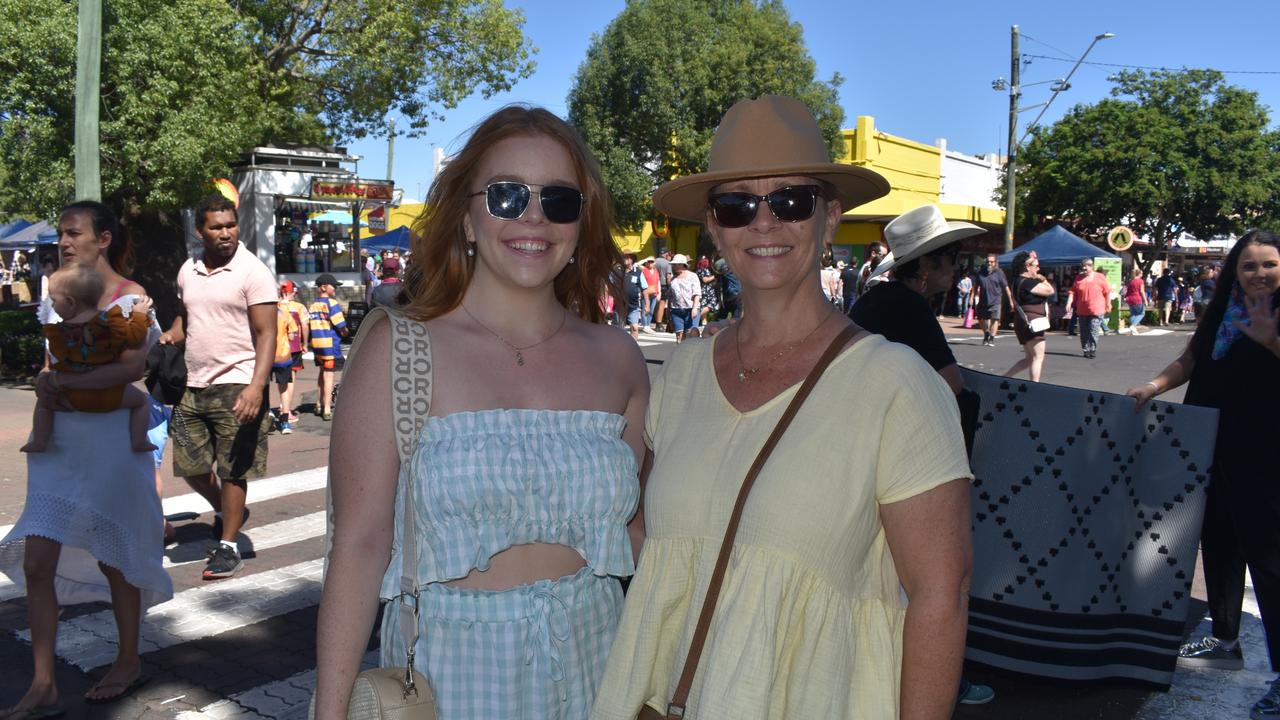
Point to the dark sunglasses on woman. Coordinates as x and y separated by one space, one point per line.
790 204
508 201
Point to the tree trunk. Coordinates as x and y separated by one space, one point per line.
159 249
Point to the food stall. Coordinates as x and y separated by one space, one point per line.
282 187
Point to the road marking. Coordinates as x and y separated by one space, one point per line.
259 491
257 539
89 641
283 699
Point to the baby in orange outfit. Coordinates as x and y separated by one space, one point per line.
88 338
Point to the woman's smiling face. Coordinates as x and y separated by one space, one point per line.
1258 270
529 251
768 253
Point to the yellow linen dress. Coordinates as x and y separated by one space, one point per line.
809 623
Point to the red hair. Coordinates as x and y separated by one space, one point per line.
441 271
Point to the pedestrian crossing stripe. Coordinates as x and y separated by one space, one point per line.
259 538
89 641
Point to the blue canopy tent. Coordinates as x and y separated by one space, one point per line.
395 239
1055 247
10 228
41 233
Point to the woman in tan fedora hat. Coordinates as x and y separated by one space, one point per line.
848 510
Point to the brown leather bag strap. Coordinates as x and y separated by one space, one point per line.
675 710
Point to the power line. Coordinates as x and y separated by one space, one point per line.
1150 67
1057 49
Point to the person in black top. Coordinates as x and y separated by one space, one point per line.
633 287
922 256
848 284
1233 363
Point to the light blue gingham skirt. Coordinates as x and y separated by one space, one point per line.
531 652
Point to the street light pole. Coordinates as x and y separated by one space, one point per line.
1015 91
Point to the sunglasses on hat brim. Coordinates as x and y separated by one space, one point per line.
508 200
791 204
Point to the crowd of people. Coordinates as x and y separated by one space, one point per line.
494 474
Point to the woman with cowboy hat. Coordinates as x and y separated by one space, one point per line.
849 510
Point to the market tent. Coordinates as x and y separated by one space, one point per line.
397 239
42 233
1057 246
10 228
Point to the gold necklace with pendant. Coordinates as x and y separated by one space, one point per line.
518 350
747 373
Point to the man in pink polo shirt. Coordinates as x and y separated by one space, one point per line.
228 323
1090 299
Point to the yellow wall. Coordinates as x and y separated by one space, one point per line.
404 215
913 169
681 239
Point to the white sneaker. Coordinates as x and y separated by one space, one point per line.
647 330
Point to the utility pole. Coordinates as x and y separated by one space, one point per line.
88 86
1011 163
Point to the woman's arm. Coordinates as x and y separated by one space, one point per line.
930 539
1174 374
1043 289
636 376
363 470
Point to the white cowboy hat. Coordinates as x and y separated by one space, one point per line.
771 136
919 232
680 259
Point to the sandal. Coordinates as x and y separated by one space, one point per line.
124 689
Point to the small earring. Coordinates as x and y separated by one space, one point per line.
572 260
471 250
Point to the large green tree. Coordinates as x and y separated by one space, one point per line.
1170 151
189 85
654 86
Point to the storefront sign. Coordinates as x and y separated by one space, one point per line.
325 189
377 218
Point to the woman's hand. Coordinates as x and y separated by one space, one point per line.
1143 393
1263 322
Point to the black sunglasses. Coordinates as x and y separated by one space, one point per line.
508 201
789 204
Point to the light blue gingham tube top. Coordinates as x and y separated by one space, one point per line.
488 480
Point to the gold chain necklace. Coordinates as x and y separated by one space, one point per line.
518 350
747 373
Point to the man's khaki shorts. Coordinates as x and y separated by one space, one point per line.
204 432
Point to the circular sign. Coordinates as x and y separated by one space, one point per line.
1120 238
661 225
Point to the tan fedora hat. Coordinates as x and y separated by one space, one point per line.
919 232
770 136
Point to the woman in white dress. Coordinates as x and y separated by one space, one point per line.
90 530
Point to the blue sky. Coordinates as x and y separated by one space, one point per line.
923 70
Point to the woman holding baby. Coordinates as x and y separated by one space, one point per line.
91 525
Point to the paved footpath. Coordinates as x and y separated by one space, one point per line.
245 647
